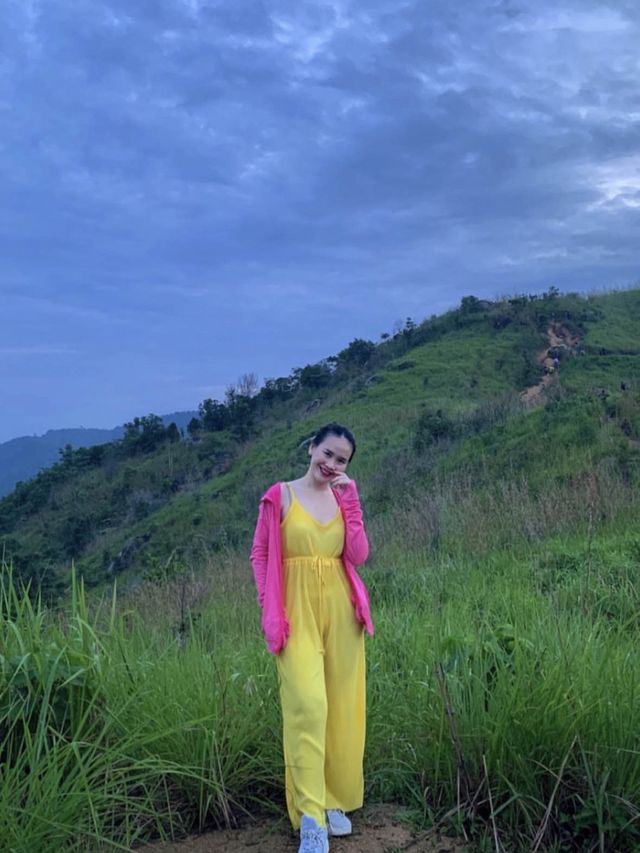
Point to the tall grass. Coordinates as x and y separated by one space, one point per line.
503 687
110 735
495 675
459 515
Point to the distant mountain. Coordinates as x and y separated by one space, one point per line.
21 458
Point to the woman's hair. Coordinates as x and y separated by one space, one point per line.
335 429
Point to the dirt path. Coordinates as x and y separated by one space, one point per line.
558 336
376 829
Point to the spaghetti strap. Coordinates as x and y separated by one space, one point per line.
292 498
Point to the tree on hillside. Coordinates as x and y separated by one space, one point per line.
470 305
66 454
247 385
240 411
213 415
357 354
194 427
278 389
142 435
172 432
313 376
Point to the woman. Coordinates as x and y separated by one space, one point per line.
309 538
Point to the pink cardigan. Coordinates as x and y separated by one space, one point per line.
266 559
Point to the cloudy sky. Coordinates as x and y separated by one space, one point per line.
193 189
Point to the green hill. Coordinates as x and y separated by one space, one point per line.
499 463
438 401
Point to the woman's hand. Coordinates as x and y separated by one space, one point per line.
340 481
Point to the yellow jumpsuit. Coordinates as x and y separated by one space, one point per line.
321 671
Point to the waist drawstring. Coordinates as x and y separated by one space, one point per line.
317 565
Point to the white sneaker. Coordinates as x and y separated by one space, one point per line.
338 823
313 838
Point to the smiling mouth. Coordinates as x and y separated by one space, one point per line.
325 472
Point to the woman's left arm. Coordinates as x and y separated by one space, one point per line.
356 544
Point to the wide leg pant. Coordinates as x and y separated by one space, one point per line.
322 689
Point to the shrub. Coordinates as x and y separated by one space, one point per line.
433 426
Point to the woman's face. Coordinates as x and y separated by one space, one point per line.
329 458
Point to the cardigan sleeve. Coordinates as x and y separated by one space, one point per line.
356 544
260 550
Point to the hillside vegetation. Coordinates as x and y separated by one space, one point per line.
436 399
23 457
501 496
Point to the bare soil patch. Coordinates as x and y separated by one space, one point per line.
378 828
557 335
